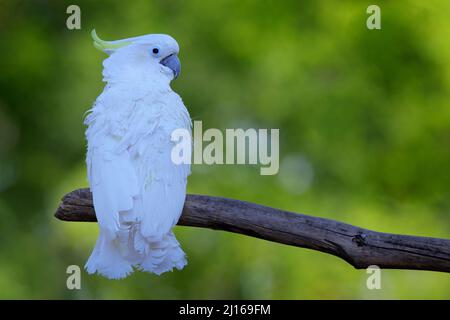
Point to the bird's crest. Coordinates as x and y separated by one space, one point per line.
107 45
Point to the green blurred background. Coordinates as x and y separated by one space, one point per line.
364 120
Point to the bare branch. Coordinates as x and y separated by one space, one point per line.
359 247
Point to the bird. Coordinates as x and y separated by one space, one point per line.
138 191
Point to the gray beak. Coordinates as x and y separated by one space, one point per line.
172 62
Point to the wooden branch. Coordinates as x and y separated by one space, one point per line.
359 247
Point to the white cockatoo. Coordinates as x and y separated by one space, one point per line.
138 191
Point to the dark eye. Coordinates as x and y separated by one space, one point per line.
155 51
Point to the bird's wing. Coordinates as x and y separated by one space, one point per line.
111 173
113 182
163 181
163 194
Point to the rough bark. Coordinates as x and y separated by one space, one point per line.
359 247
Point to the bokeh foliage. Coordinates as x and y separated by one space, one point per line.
364 119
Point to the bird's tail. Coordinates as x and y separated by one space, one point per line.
107 258
115 257
163 255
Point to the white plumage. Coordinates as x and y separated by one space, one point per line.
138 191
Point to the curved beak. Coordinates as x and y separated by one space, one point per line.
172 62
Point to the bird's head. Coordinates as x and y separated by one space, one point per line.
149 56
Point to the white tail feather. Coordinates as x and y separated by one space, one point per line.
107 260
115 258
